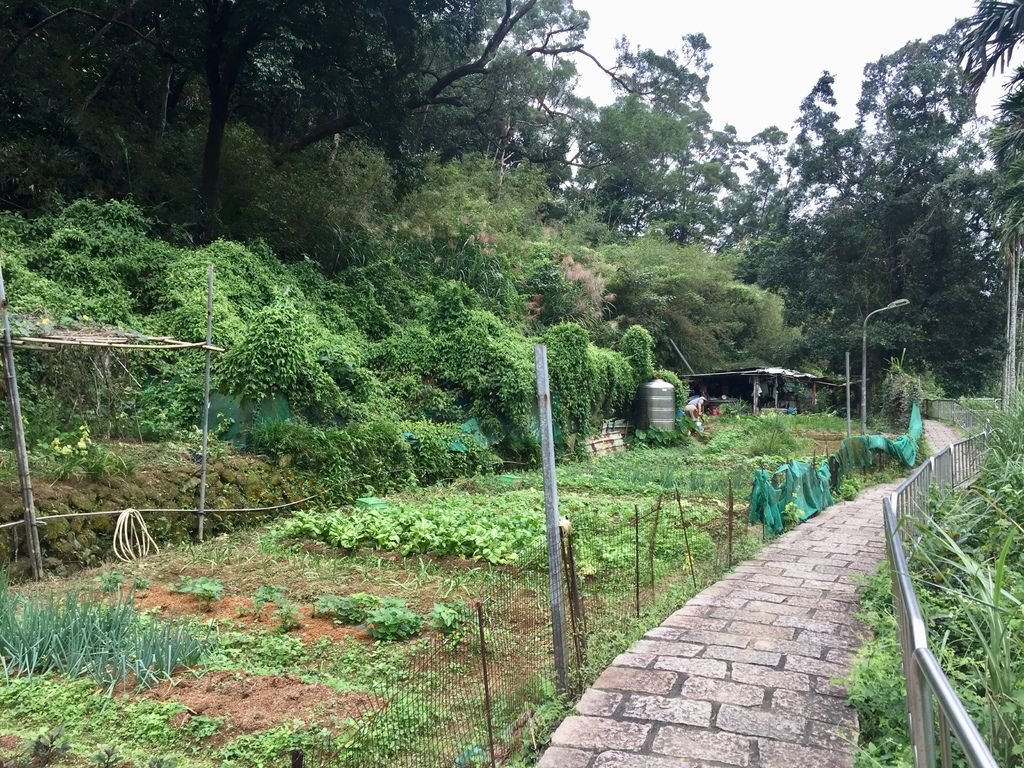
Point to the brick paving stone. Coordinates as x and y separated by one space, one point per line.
638 660
694 622
815 666
778 754
755 722
668 710
826 687
831 640
633 760
770 678
813 707
780 608
707 637
829 736
733 614
824 604
765 658
600 733
697 744
723 692
788 646
702 667
642 680
719 602
598 703
754 594
667 648
810 624
762 630
560 757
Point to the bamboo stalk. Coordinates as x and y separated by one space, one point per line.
18 429
206 399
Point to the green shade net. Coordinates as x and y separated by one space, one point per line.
803 483
810 488
858 452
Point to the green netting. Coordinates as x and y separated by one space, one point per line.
231 419
803 484
810 488
858 452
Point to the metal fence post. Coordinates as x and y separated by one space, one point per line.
547 452
731 502
636 557
487 682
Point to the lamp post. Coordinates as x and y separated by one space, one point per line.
864 362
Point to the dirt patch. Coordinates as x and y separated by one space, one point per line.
243 611
10 746
250 704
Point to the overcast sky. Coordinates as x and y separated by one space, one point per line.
767 54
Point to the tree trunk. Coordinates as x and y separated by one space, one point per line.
166 74
210 177
1012 341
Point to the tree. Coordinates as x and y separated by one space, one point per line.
108 84
991 37
651 160
894 207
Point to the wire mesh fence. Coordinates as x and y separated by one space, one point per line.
471 696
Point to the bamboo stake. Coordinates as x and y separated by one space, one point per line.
206 398
18 429
686 539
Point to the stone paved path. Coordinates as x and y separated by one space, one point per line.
742 674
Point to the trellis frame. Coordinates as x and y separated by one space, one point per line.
108 341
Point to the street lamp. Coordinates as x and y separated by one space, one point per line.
864 362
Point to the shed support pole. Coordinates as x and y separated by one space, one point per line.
206 400
547 452
18 432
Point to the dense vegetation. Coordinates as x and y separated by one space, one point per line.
463 195
400 198
967 571
337 614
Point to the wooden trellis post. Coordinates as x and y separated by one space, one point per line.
18 432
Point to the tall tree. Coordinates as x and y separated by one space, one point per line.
298 73
651 160
991 37
893 207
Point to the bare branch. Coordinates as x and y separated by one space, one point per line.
81 12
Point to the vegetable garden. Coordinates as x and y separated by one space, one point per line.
415 633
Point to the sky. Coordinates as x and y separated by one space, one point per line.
768 54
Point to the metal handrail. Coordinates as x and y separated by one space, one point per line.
927 684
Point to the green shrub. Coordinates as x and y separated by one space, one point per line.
203 588
682 391
572 378
447 618
393 622
277 355
637 346
899 391
353 609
